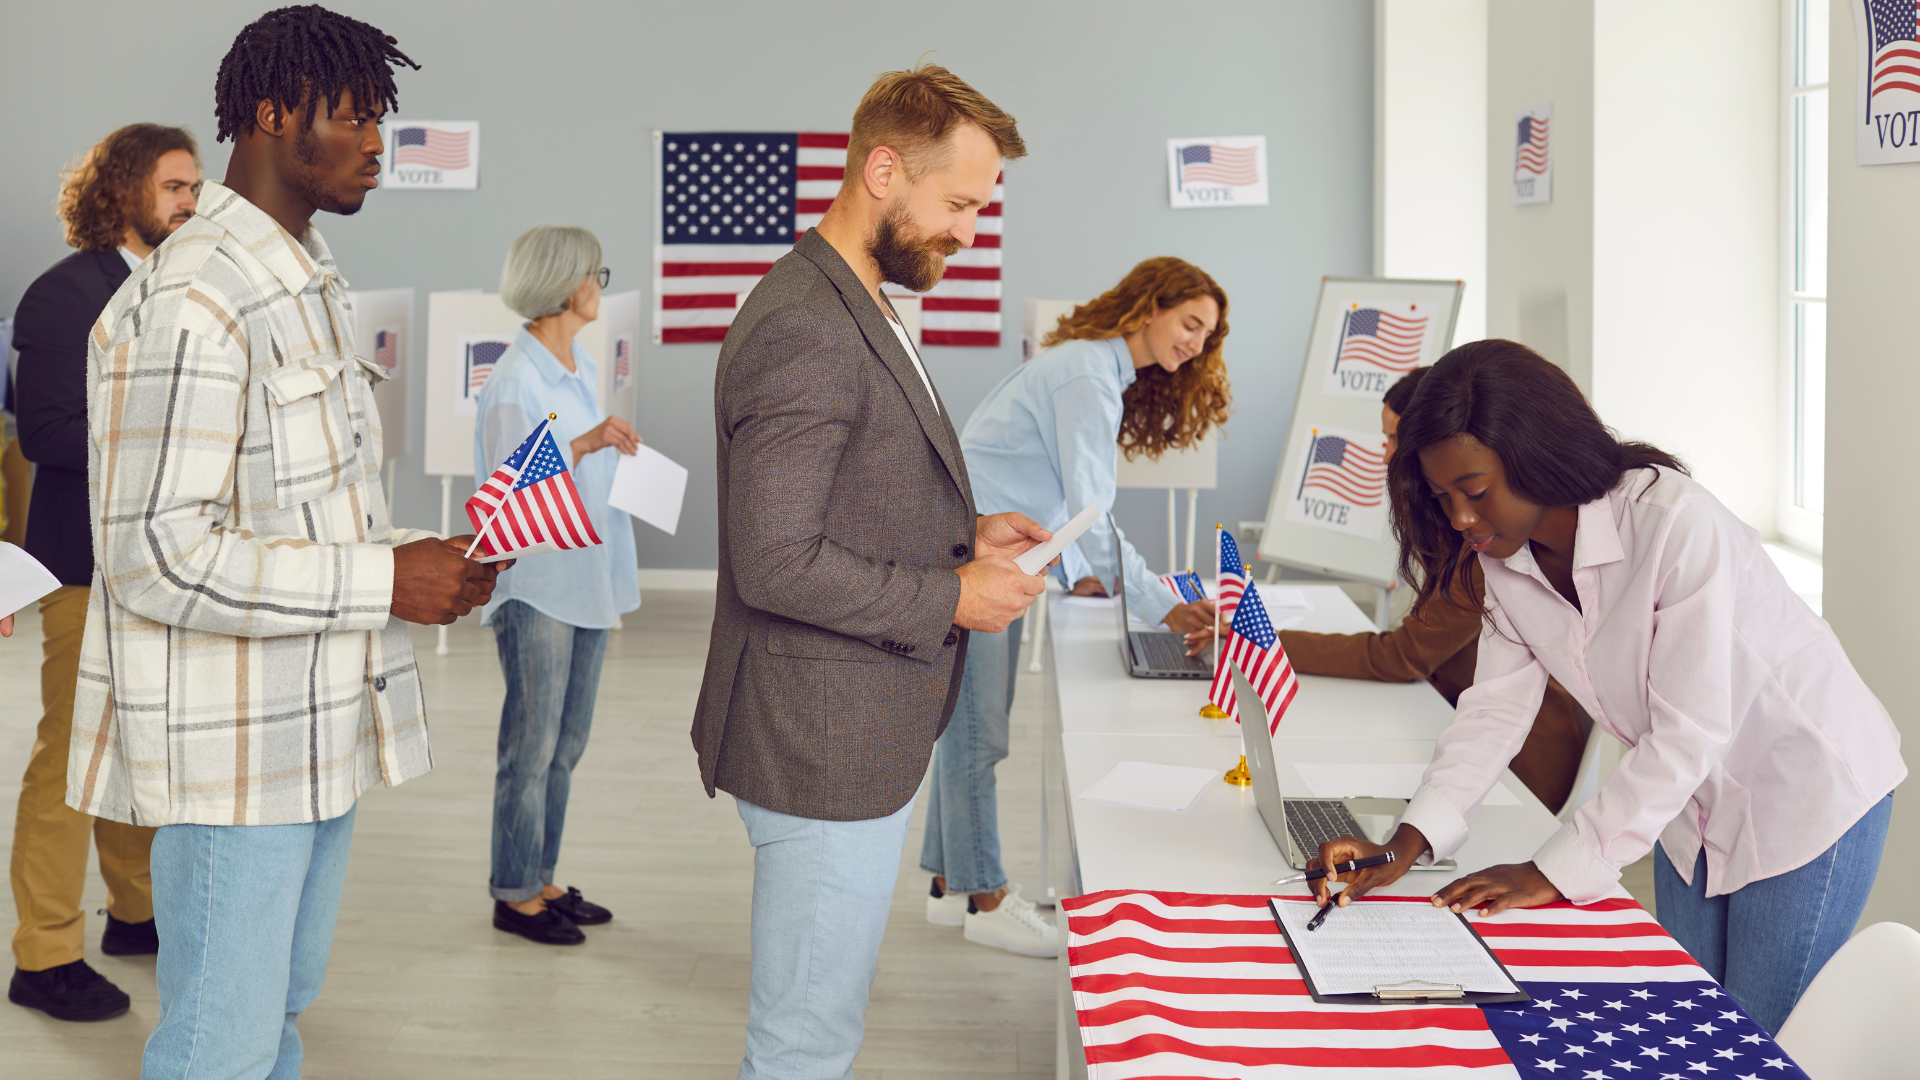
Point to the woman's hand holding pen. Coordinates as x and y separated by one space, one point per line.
1510 885
1408 844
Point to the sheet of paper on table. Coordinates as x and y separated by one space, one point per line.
1379 780
22 579
1156 787
1374 943
650 486
1285 596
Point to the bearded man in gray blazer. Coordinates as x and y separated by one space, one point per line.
852 563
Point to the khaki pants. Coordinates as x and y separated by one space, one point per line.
49 837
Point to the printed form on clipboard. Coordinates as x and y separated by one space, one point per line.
1391 951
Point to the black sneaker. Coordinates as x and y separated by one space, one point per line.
129 938
68 992
548 928
579 910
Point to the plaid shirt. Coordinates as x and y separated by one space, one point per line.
239 667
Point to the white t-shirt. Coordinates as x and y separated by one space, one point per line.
133 261
906 343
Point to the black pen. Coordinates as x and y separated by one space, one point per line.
1332 902
1381 859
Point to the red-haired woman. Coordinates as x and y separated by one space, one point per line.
1760 764
1137 370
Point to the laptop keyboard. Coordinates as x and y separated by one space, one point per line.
1166 652
1312 822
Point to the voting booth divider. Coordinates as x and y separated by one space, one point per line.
383 333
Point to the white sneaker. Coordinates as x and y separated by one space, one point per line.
948 910
1017 926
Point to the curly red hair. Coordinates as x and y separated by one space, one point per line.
105 189
1162 410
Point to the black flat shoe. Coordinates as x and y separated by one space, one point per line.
548 928
69 992
578 909
129 938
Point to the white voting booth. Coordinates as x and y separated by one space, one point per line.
383 333
467 332
1329 508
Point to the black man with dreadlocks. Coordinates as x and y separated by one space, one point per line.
246 672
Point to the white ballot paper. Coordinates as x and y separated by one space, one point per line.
1156 787
1375 943
1379 780
1036 559
650 486
1283 596
22 579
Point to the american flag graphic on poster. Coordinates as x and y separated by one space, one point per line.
623 362
1533 155
1390 340
730 203
1888 81
1253 646
529 505
1232 585
480 356
386 347
1342 482
431 147
1208 163
1191 985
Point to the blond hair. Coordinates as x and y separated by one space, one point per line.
915 111
1162 410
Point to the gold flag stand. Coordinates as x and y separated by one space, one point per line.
1211 711
1238 776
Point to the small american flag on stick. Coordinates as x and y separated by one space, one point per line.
1233 583
529 505
1253 646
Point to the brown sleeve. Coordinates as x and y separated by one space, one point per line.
1413 650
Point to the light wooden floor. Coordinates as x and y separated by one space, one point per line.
422 986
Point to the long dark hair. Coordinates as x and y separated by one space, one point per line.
1523 408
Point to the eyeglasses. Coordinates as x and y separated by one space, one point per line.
605 275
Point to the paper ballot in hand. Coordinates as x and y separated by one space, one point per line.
1035 559
22 579
650 486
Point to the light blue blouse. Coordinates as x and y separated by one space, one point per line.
586 587
1045 443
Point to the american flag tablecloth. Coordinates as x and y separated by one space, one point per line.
1187 985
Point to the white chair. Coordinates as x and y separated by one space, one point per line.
1856 1019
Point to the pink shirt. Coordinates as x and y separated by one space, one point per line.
1749 731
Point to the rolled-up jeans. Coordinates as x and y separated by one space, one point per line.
553 674
962 842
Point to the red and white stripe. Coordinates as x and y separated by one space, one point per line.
1268 671
1230 583
1187 985
698 287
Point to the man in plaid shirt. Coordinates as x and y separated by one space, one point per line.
246 673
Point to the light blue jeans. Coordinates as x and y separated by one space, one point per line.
821 890
1767 940
553 675
245 915
962 842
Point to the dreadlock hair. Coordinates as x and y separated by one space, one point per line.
300 54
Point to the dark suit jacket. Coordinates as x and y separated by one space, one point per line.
50 404
844 510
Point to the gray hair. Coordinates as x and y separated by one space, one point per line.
545 267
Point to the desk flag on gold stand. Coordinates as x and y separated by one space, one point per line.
1233 582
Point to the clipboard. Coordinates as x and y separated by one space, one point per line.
1412 992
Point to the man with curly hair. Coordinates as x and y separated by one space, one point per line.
118 202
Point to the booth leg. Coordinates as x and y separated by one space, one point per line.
1193 514
446 529
1173 524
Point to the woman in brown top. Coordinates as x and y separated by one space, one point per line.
1441 646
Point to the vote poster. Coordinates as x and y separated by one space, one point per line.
1886 113
423 155
1342 483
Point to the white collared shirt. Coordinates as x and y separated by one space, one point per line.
906 342
1750 732
132 260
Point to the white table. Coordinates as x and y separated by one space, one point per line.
1097 716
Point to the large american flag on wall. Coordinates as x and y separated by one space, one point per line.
729 203
1187 985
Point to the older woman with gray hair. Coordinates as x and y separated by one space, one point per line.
550 622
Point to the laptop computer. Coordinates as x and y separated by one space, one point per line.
1155 654
1300 826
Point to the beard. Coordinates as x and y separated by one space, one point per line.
153 231
312 177
911 262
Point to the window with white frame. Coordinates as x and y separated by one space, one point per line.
1804 273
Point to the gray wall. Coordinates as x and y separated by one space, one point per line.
568 93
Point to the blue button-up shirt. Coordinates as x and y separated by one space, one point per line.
1045 443
585 587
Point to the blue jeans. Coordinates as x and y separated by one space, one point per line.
821 890
553 674
962 841
1767 940
245 915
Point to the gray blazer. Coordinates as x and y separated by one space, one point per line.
844 509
